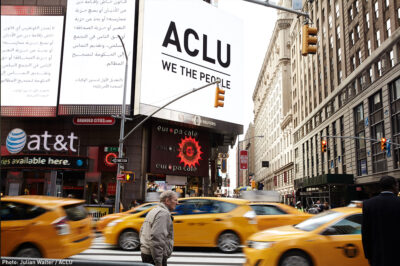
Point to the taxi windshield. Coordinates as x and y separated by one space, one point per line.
318 220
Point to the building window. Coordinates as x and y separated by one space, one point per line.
351 13
353 63
370 73
361 153
376 10
331 42
387 3
379 162
369 47
351 36
339 52
378 38
379 68
337 10
357 7
398 14
330 21
395 111
367 20
395 108
388 27
391 59
338 32
358 31
359 57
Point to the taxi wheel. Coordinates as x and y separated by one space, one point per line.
228 242
295 258
28 252
129 240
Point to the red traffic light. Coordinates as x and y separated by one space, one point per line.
383 144
323 145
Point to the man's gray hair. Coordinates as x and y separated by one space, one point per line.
168 194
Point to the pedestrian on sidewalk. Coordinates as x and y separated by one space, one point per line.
157 232
380 227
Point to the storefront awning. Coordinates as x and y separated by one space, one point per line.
323 180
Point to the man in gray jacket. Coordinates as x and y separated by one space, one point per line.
157 232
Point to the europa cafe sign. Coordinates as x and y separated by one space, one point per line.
179 151
17 141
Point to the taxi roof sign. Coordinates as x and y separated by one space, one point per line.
261 195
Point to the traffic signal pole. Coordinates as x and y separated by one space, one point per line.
162 107
352 137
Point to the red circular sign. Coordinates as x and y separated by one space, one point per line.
189 152
109 157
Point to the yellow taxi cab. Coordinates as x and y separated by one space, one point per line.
330 238
271 214
41 226
103 221
225 223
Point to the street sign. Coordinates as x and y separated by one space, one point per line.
243 159
119 160
121 177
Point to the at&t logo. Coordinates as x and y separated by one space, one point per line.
16 140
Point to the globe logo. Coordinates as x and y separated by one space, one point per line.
16 140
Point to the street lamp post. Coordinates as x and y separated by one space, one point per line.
121 133
238 156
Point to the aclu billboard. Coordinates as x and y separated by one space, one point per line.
186 44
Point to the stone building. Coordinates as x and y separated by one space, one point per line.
273 112
347 94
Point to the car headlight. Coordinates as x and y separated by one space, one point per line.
259 244
115 222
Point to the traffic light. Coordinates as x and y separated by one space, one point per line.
129 175
323 145
309 40
219 97
383 144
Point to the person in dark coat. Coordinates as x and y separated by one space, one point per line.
381 225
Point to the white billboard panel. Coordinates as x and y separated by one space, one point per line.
93 68
30 60
185 45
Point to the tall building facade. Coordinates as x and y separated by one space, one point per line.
347 94
273 112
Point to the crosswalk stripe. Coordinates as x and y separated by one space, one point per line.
171 261
103 251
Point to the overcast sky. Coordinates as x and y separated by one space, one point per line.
258 24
